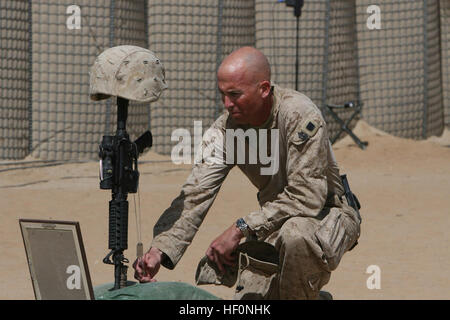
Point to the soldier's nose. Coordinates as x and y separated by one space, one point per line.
228 103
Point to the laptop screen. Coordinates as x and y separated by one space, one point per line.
56 259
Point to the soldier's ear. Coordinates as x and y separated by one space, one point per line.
264 87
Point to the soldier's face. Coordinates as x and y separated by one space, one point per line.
240 96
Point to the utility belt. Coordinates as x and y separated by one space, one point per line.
351 198
348 202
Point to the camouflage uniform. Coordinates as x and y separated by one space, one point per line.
130 72
301 212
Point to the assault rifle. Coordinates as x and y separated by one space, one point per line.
119 172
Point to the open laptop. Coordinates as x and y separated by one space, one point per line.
57 260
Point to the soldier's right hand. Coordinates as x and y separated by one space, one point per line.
147 266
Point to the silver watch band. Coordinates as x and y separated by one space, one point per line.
240 223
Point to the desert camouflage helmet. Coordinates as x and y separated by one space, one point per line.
130 72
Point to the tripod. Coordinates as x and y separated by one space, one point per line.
297 4
119 172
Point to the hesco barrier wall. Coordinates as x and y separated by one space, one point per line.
399 67
65 123
445 49
14 79
327 70
400 72
192 37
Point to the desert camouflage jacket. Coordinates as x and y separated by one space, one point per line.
302 178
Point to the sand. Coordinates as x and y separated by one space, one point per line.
403 186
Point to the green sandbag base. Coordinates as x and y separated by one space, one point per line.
153 291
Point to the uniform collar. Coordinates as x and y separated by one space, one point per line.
272 119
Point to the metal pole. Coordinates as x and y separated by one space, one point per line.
30 77
111 44
297 52
147 38
325 57
425 70
218 99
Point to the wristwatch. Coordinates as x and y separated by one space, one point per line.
240 223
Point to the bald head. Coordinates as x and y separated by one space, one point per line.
247 63
243 80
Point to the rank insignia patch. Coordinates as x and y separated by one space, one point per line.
308 129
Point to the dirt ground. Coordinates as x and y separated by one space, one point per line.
403 186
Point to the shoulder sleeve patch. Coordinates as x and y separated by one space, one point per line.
308 129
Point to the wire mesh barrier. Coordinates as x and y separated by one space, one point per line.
400 71
399 67
185 36
327 71
65 123
14 81
445 50
192 37
129 25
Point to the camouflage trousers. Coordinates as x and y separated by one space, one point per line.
309 249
